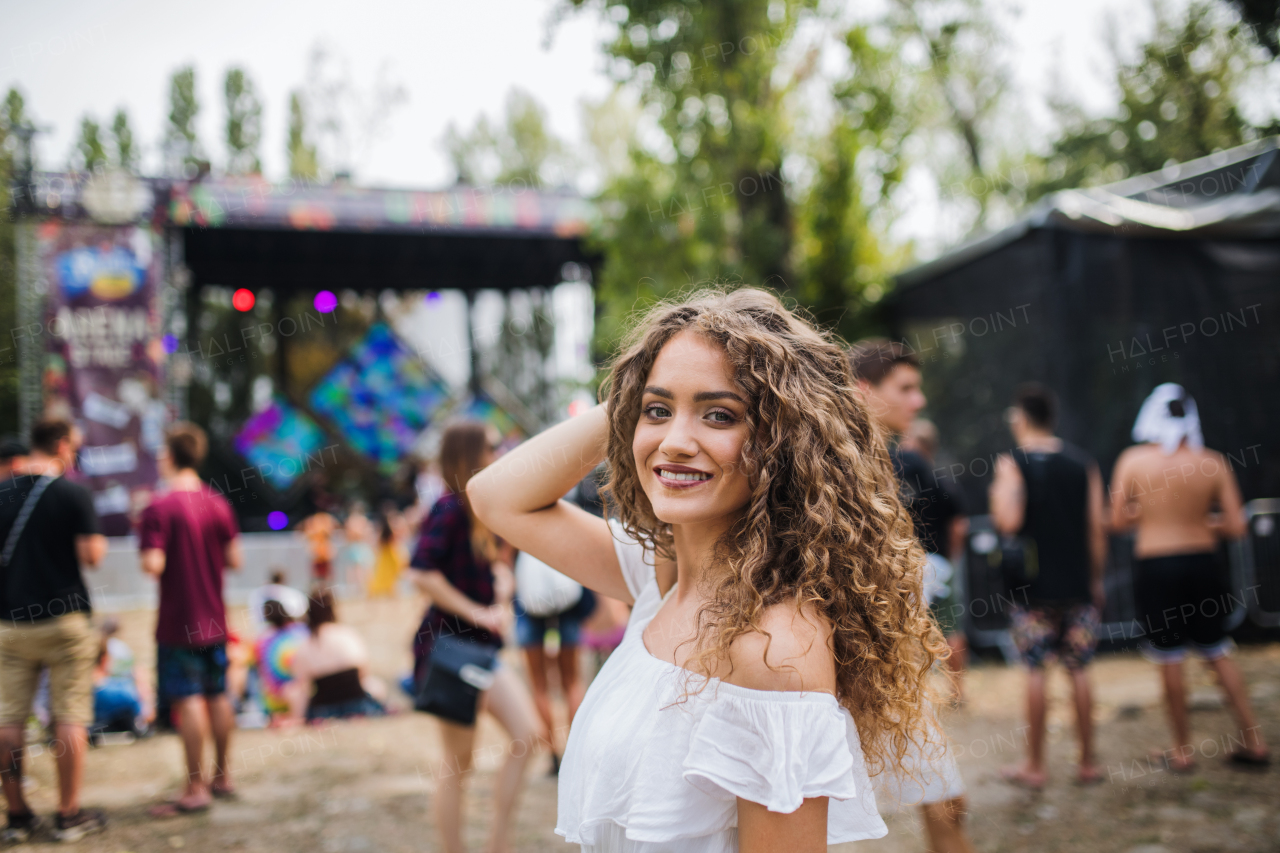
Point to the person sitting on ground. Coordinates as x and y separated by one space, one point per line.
1050 494
119 702
292 601
275 651
330 677
1182 498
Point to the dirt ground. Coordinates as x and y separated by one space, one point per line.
368 785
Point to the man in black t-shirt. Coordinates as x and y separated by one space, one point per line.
48 530
888 376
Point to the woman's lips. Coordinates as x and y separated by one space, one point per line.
681 477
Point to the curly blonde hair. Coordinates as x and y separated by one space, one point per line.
823 526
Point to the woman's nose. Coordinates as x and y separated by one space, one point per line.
680 439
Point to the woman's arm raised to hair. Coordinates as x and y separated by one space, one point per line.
518 498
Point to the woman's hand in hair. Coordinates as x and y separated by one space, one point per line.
518 497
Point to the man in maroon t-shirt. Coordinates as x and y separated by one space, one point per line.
187 537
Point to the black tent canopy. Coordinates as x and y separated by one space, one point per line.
1102 294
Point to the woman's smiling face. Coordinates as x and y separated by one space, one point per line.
689 439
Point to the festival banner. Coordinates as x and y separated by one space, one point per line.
102 367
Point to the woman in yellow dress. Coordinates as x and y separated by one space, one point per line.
392 557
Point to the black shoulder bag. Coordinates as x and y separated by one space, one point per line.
457 671
24 514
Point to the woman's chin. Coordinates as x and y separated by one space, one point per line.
684 511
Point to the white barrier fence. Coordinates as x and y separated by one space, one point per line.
119 584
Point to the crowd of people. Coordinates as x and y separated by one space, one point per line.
770 582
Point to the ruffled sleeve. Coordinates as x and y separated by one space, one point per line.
775 749
636 562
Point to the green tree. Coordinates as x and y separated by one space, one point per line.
705 196
303 163
90 151
244 124
122 136
521 150
844 257
1177 102
12 114
181 143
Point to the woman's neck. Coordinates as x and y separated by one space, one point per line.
694 545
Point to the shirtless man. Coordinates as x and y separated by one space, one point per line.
1182 498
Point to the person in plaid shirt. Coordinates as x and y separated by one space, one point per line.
466 572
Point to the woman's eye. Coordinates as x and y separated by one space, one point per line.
721 417
657 411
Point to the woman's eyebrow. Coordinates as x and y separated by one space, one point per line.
697 398
717 395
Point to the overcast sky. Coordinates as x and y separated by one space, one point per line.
455 60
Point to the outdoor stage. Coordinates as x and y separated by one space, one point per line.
128 321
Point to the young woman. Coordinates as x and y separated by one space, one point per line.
331 680
392 556
779 633
460 566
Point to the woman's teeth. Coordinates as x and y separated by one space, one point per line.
680 475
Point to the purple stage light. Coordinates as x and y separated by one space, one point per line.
277 520
325 301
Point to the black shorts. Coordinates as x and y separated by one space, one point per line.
1182 603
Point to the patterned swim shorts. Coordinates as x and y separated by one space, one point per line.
1068 633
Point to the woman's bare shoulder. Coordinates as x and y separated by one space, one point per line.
791 651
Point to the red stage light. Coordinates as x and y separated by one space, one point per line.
243 300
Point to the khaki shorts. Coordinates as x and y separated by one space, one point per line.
68 646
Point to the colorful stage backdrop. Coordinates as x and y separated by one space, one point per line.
380 397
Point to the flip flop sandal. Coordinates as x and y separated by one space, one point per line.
1014 776
1093 777
175 809
1243 758
224 793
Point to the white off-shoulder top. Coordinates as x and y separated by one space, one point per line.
645 772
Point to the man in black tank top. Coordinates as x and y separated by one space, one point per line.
1049 494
